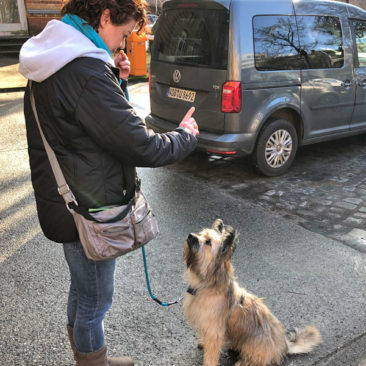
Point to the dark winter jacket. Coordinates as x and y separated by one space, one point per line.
98 140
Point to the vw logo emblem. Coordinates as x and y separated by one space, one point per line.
177 76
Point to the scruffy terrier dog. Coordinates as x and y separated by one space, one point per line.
226 315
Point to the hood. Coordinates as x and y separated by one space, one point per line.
57 45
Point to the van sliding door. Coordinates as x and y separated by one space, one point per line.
327 95
359 115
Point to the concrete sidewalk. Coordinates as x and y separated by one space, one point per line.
10 79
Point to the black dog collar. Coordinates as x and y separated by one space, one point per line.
191 291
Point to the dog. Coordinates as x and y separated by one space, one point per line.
226 315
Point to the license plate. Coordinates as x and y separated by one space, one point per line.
182 94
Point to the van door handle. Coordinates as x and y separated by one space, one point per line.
347 84
362 83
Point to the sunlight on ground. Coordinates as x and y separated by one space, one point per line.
21 241
18 215
12 196
10 77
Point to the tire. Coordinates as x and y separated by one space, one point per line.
276 148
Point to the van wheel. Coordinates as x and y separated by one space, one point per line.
276 148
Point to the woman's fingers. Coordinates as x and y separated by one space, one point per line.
189 113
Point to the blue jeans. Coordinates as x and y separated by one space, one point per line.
90 296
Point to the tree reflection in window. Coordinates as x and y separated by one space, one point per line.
276 43
305 42
321 41
359 28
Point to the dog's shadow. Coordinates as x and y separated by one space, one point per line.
229 358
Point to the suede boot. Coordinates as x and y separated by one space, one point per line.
82 357
97 358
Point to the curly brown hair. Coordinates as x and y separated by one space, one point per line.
121 11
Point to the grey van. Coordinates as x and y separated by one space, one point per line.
265 76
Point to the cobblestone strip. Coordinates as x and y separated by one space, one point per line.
324 191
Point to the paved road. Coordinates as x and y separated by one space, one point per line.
304 276
325 190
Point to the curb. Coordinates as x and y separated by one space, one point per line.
10 90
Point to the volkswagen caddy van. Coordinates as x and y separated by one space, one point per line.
265 76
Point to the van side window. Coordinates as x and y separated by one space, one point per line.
304 42
276 43
320 41
359 29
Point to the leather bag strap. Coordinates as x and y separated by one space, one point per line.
62 187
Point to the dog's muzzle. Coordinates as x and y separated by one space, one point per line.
192 242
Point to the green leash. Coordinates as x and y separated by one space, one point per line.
149 288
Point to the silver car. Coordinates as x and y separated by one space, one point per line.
265 76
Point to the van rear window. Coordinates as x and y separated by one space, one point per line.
197 37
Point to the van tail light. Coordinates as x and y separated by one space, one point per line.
149 79
212 151
231 97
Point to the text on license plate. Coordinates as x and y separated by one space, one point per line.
186 95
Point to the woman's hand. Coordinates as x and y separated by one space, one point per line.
189 122
121 61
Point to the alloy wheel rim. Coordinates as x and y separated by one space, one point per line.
278 148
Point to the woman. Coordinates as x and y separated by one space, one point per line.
98 140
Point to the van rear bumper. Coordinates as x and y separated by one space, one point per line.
241 143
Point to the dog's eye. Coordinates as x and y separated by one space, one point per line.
208 242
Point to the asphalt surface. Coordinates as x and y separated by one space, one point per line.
324 191
10 79
305 277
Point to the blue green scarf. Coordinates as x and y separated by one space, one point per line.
82 26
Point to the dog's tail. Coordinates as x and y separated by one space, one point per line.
302 340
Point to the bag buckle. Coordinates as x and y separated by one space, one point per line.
70 209
63 189
68 196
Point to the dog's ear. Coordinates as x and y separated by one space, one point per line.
226 250
230 241
218 225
